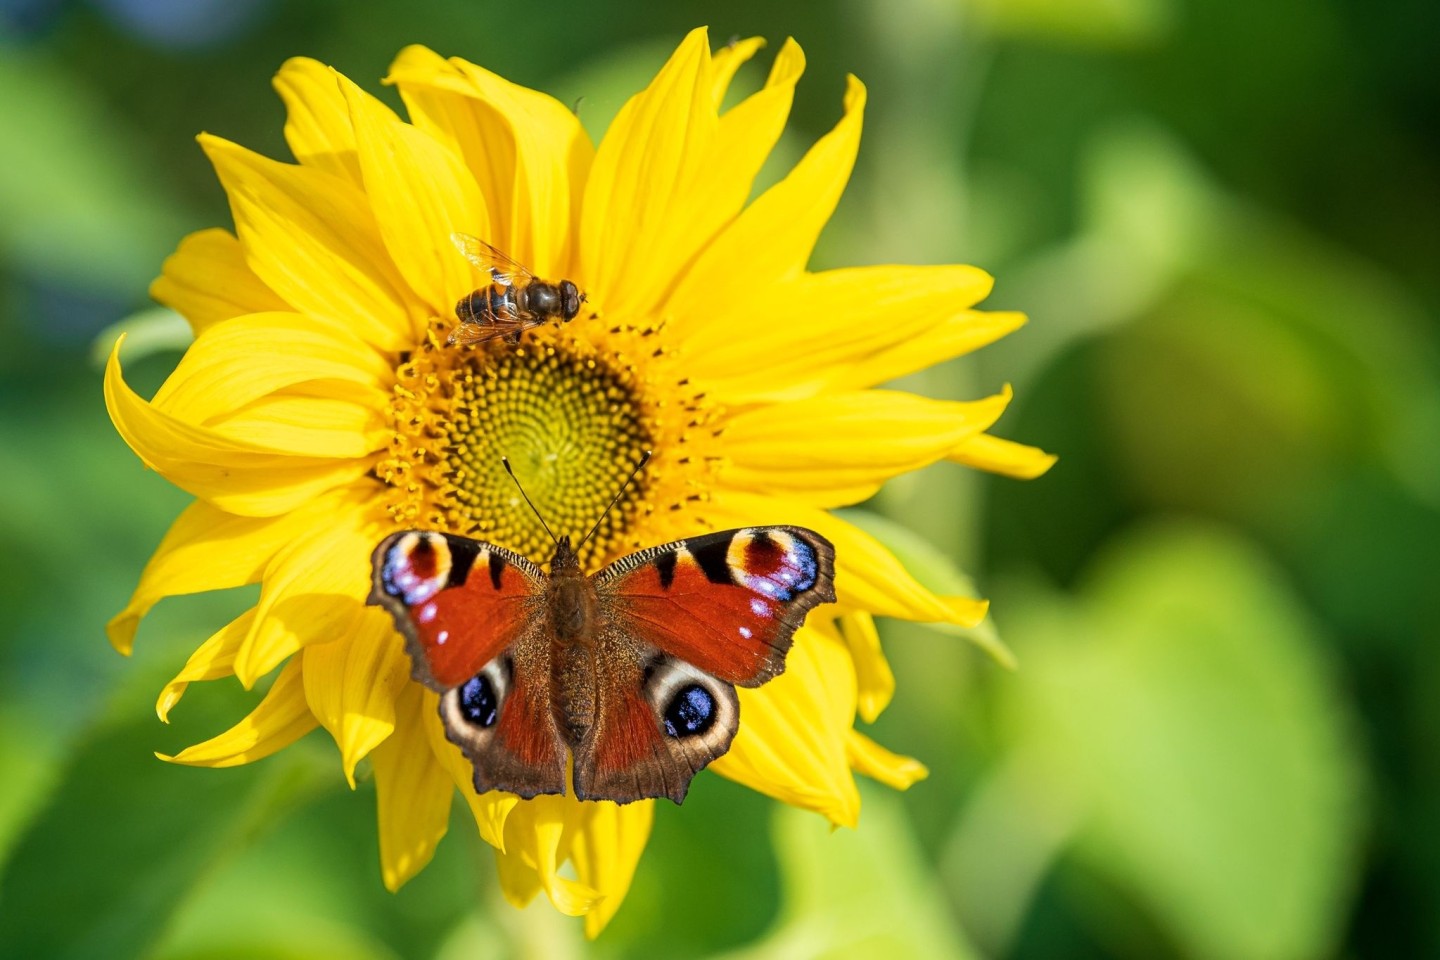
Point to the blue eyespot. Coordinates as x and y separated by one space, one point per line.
690 712
478 702
805 565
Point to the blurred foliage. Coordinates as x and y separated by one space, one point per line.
1221 738
1180 721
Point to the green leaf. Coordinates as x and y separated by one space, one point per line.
146 332
81 202
856 893
1186 714
1083 23
935 572
106 864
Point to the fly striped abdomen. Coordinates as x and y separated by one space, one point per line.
515 302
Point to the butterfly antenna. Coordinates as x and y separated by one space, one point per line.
509 470
644 459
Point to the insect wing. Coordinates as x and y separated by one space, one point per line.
468 333
728 603
459 602
502 268
687 621
470 613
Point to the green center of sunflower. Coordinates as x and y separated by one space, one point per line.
573 418
572 431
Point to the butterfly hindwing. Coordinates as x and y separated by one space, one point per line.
660 722
473 620
501 720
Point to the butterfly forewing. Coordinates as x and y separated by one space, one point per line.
459 602
728 603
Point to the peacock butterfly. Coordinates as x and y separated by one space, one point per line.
631 671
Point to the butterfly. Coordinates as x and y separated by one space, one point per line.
631 672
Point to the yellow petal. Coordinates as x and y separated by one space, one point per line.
317 120
538 835
421 194
1004 457
967 331
644 215
213 659
527 152
793 732
746 135
206 280
772 239
205 549
319 426
891 769
279 720
867 575
352 684
728 59
519 880
412 792
751 127
233 474
678 173
490 809
790 339
314 587
311 237
220 373
605 850
874 679
852 442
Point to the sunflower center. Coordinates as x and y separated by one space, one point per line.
573 418
571 429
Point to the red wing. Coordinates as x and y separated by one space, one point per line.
459 602
501 719
658 722
503 268
727 603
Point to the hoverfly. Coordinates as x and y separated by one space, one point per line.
515 300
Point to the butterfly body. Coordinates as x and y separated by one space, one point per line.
630 673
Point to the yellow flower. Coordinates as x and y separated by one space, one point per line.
320 408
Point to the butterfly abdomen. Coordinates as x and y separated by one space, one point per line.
574 682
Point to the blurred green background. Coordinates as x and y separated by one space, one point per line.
1221 217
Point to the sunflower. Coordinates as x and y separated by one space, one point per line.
320 408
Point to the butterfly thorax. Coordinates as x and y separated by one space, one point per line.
570 598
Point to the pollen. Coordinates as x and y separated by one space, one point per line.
573 418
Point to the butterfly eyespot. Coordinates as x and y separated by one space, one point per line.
478 702
690 712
